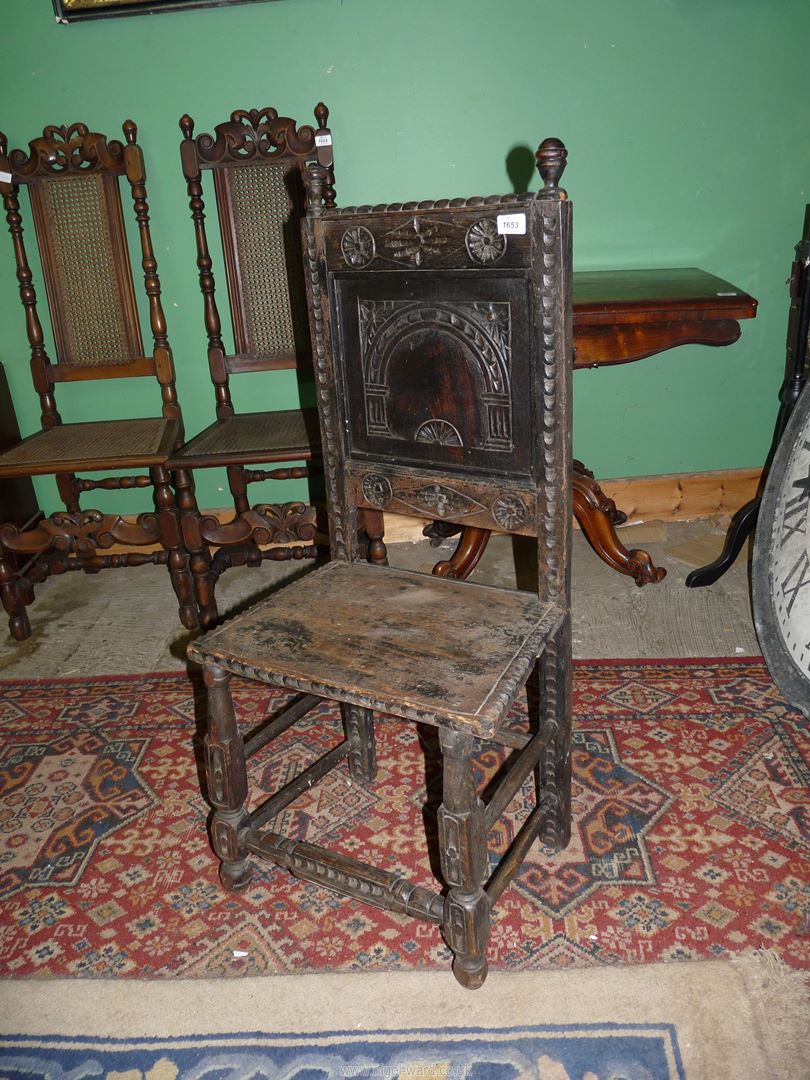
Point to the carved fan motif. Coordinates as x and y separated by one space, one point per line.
440 432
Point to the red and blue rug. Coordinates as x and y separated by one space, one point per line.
691 833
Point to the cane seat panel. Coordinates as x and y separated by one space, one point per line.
104 444
287 435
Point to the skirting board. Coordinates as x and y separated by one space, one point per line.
670 497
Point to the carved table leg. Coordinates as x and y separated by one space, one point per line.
593 510
463 854
465 558
226 777
359 727
617 516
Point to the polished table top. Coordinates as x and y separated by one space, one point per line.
624 315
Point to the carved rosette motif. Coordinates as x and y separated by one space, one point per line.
509 512
377 490
357 246
485 245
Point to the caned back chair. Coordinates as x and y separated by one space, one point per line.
255 159
73 177
442 341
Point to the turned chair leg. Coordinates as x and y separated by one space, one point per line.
237 482
359 726
463 854
554 770
172 540
374 524
13 593
226 777
198 550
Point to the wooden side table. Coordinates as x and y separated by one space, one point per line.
621 316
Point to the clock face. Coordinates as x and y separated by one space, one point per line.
780 571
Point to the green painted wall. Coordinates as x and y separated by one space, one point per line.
688 130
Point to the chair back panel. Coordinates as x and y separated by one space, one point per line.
443 362
259 208
85 263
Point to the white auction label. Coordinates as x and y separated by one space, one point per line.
323 139
512 224
5 178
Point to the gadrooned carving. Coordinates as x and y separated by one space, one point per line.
509 511
357 246
485 245
377 490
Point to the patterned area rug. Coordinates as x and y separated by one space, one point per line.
691 836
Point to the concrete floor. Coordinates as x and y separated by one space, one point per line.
122 622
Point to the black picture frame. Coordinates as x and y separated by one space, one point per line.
70 11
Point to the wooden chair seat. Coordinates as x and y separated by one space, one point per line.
362 640
103 444
251 439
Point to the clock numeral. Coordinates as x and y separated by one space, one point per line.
794 519
801 572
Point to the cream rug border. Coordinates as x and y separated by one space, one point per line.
734 1019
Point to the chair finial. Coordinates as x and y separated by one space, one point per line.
187 126
3 144
130 129
551 157
321 114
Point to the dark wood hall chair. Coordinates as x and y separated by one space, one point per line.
442 341
256 159
72 176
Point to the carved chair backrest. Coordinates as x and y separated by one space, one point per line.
73 175
256 158
442 339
